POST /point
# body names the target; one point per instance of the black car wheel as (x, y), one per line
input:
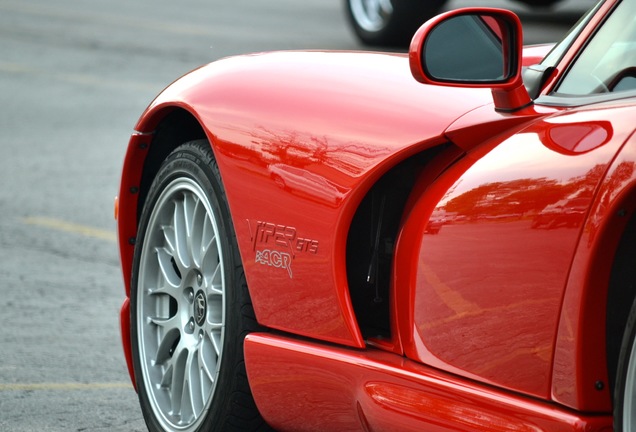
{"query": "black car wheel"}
(389, 22)
(190, 309)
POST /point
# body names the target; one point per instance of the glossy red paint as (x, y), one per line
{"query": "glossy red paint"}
(231, 106)
(126, 214)
(272, 153)
(124, 325)
(458, 310)
(509, 94)
(578, 364)
(304, 386)
(127, 202)
(497, 322)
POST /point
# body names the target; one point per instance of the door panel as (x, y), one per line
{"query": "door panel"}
(489, 284)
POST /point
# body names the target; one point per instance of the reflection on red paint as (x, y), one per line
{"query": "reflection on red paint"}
(509, 238)
(576, 138)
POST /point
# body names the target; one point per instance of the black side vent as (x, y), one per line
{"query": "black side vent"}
(371, 243)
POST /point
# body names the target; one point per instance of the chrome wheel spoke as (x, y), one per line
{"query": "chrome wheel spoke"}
(167, 268)
(199, 220)
(195, 394)
(210, 262)
(186, 403)
(208, 355)
(214, 279)
(182, 235)
(177, 382)
(169, 238)
(215, 339)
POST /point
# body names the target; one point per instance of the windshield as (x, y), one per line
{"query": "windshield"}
(559, 50)
(608, 63)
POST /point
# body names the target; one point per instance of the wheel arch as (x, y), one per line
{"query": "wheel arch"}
(174, 127)
(157, 135)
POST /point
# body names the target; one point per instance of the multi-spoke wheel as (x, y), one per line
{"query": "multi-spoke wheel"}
(389, 22)
(188, 298)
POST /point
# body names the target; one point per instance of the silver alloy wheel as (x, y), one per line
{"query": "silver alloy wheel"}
(181, 306)
(629, 395)
(371, 15)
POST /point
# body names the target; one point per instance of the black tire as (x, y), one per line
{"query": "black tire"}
(188, 282)
(394, 29)
(625, 384)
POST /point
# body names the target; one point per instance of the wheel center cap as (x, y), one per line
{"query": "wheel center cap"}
(200, 308)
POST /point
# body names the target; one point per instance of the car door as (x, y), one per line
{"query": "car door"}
(489, 287)
(487, 293)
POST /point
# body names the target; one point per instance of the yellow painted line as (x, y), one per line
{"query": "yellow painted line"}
(61, 225)
(64, 386)
(15, 68)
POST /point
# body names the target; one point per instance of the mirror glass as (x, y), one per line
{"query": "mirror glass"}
(467, 48)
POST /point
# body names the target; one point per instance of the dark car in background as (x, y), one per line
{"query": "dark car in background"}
(393, 22)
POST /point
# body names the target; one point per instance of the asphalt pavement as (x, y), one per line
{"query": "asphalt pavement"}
(74, 77)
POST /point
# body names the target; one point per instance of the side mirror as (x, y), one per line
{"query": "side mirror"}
(473, 47)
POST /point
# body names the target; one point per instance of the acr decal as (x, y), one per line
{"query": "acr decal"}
(265, 236)
(275, 259)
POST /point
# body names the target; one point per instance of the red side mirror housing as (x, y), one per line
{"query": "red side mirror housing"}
(473, 47)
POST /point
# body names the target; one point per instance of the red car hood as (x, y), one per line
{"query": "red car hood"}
(343, 97)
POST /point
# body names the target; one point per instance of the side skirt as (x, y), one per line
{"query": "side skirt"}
(304, 386)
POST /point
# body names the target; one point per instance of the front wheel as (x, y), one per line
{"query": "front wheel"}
(190, 309)
(389, 22)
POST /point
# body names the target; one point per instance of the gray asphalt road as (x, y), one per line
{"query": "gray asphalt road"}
(74, 76)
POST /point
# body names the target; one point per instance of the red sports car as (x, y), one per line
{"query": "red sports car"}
(273, 216)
